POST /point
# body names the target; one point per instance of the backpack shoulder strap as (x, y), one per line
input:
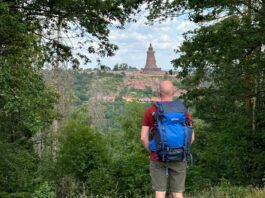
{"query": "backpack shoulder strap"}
(159, 107)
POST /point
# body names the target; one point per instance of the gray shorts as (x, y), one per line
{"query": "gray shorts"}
(175, 172)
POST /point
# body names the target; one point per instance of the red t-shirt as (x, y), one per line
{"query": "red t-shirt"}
(150, 122)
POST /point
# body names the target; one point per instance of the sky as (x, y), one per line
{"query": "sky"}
(133, 42)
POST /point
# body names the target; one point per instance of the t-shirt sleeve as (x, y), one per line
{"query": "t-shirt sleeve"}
(148, 119)
(189, 118)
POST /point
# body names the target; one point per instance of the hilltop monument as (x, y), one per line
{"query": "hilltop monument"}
(150, 66)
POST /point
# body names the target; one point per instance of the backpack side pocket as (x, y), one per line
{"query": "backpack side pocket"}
(152, 145)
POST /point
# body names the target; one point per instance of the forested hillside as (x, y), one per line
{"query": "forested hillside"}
(62, 134)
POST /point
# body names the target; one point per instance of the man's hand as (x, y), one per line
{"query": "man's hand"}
(144, 137)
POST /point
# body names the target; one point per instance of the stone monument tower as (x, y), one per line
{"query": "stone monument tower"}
(150, 66)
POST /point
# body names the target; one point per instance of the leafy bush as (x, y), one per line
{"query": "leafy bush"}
(130, 164)
(16, 195)
(44, 191)
(17, 168)
(82, 152)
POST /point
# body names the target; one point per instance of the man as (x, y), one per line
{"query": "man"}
(160, 172)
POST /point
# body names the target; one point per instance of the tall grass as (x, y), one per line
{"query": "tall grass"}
(231, 192)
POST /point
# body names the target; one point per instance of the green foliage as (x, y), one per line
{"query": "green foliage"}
(123, 67)
(82, 150)
(101, 164)
(26, 102)
(17, 168)
(229, 191)
(84, 84)
(95, 184)
(136, 93)
(132, 122)
(83, 156)
(130, 164)
(148, 91)
(109, 83)
(131, 172)
(44, 191)
(113, 112)
(90, 18)
(16, 195)
(222, 67)
(81, 82)
(220, 99)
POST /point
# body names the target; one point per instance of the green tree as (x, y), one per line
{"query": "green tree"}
(26, 102)
(44, 191)
(121, 67)
(130, 168)
(148, 91)
(88, 19)
(82, 154)
(222, 64)
(31, 35)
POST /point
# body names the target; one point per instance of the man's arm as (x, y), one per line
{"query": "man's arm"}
(192, 136)
(144, 137)
(189, 119)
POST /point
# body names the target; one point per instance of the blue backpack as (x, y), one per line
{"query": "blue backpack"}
(172, 134)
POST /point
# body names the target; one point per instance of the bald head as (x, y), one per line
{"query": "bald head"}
(167, 89)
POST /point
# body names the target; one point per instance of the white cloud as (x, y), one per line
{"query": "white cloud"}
(133, 42)
(185, 26)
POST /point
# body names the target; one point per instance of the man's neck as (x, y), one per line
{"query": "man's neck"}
(166, 99)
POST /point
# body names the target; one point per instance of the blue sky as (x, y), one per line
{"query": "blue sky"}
(134, 40)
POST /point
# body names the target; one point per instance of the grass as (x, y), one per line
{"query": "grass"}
(231, 192)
